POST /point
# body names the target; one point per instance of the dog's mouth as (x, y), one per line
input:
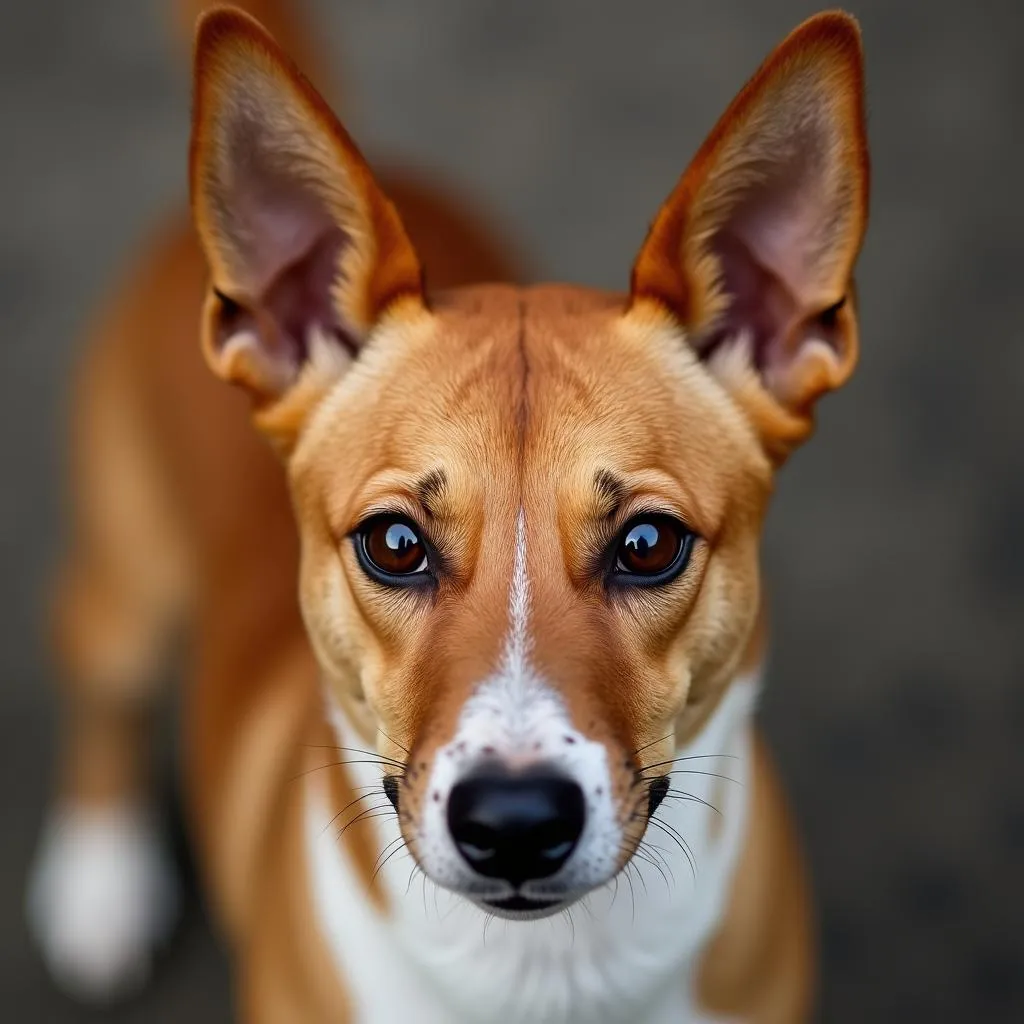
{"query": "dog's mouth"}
(522, 908)
(519, 907)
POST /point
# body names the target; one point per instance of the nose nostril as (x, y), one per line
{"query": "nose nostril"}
(555, 839)
(477, 842)
(516, 827)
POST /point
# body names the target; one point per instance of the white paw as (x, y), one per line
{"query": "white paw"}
(101, 898)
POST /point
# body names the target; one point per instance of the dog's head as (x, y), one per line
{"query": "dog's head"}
(530, 518)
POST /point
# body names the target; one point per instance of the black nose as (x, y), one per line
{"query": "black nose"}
(516, 826)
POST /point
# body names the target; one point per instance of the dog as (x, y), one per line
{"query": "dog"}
(498, 761)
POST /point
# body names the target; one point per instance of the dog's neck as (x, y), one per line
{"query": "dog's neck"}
(627, 951)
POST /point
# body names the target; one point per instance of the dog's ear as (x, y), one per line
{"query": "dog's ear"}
(306, 254)
(753, 252)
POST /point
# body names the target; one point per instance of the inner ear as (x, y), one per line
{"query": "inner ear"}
(755, 301)
(277, 327)
(763, 304)
(300, 297)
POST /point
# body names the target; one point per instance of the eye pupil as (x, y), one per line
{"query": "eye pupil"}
(650, 547)
(393, 547)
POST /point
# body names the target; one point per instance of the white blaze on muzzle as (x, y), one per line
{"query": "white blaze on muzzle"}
(515, 719)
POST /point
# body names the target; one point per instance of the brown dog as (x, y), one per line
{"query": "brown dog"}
(522, 682)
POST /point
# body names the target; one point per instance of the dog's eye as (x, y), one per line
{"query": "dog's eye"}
(652, 549)
(391, 549)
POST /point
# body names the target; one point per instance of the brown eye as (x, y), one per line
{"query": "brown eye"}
(653, 549)
(391, 546)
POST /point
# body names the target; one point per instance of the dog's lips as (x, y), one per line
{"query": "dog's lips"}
(519, 908)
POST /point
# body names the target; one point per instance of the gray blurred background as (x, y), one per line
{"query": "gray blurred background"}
(896, 545)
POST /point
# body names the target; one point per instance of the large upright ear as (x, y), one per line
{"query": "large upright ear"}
(753, 252)
(306, 254)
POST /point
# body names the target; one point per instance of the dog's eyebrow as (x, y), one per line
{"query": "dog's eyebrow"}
(429, 489)
(611, 491)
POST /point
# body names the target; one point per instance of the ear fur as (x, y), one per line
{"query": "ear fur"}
(753, 252)
(306, 253)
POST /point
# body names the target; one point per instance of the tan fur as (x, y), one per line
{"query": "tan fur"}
(760, 967)
(521, 397)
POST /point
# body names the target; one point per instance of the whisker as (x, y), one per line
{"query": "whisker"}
(371, 791)
(709, 775)
(567, 912)
(355, 750)
(387, 846)
(657, 852)
(637, 814)
(412, 875)
(642, 854)
(688, 757)
(691, 798)
(585, 904)
(363, 816)
(632, 891)
(370, 815)
(647, 746)
(680, 842)
(669, 826)
(640, 874)
(397, 849)
(405, 750)
(335, 764)
(384, 856)
(488, 918)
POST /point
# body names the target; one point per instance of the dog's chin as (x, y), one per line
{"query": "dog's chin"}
(522, 908)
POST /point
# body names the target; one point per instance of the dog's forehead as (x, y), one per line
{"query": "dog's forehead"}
(546, 387)
(600, 373)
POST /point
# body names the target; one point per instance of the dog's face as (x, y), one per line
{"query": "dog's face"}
(529, 549)
(530, 517)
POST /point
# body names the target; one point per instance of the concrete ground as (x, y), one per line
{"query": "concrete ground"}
(895, 550)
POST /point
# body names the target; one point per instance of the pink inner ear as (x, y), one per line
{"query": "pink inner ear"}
(296, 300)
(285, 255)
(280, 236)
(759, 304)
(273, 224)
(774, 252)
(301, 296)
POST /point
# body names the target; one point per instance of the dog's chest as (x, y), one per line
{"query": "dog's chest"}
(628, 952)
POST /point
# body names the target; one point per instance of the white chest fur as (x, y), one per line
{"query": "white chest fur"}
(626, 953)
